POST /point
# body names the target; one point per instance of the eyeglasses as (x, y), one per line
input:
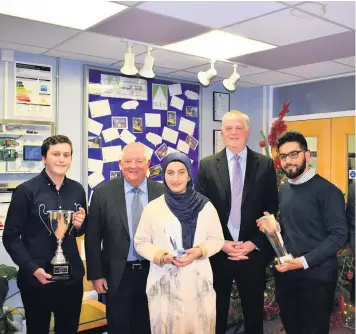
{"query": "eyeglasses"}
(292, 155)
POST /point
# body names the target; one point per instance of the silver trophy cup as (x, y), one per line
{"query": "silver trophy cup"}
(60, 222)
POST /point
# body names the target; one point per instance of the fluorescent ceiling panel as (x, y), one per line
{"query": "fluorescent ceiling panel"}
(218, 45)
(62, 13)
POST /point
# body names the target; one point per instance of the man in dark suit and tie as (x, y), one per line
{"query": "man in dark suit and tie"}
(112, 262)
(241, 184)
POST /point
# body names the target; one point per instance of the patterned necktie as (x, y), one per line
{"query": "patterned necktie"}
(136, 209)
(236, 193)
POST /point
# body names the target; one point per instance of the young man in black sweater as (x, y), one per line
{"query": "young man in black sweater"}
(313, 226)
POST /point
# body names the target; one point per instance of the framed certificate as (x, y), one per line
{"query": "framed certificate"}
(218, 141)
(221, 105)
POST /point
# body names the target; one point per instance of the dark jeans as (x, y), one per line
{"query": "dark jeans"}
(65, 301)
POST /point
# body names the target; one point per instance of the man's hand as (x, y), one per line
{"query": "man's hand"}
(100, 285)
(189, 256)
(78, 218)
(241, 250)
(267, 224)
(292, 264)
(42, 276)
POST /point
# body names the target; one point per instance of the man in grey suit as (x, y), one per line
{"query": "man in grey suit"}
(112, 262)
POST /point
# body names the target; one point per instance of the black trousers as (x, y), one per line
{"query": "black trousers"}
(305, 305)
(65, 301)
(127, 309)
(250, 276)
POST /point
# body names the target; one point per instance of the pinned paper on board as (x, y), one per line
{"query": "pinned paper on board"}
(171, 150)
(130, 105)
(191, 95)
(186, 126)
(94, 179)
(99, 108)
(170, 135)
(148, 152)
(127, 137)
(110, 134)
(177, 102)
(94, 127)
(95, 165)
(153, 138)
(183, 146)
(192, 142)
(111, 153)
(159, 97)
(153, 120)
(175, 89)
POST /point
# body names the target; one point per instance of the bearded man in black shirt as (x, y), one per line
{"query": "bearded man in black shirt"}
(313, 226)
(30, 245)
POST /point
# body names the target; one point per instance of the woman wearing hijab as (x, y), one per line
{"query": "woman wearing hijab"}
(179, 288)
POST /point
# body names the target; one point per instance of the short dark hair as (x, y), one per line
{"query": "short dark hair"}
(54, 140)
(292, 136)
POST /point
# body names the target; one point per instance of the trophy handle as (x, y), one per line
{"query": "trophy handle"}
(77, 207)
(45, 213)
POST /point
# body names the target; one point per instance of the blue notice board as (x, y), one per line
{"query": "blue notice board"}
(161, 114)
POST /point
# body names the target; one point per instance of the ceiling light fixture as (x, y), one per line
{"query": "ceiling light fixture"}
(129, 67)
(205, 77)
(147, 68)
(230, 83)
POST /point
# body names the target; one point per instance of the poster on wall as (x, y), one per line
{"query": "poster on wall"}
(161, 114)
(33, 91)
(218, 141)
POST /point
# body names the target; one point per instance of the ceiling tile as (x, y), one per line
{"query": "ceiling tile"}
(99, 46)
(225, 69)
(229, 12)
(161, 30)
(271, 78)
(347, 61)
(81, 57)
(303, 53)
(342, 12)
(127, 3)
(318, 70)
(245, 84)
(169, 59)
(21, 47)
(21, 31)
(308, 28)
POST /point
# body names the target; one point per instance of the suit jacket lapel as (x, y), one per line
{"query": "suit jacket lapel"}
(251, 167)
(223, 170)
(152, 193)
(120, 203)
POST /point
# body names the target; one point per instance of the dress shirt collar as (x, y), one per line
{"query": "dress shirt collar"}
(242, 154)
(142, 186)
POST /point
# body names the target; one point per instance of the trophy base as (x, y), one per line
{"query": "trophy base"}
(60, 272)
(283, 259)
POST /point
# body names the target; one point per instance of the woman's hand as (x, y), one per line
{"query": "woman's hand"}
(189, 256)
(167, 259)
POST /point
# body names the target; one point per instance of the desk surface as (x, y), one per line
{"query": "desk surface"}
(93, 315)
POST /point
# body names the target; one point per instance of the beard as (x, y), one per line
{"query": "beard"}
(299, 170)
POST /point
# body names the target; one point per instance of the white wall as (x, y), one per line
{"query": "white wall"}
(70, 115)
